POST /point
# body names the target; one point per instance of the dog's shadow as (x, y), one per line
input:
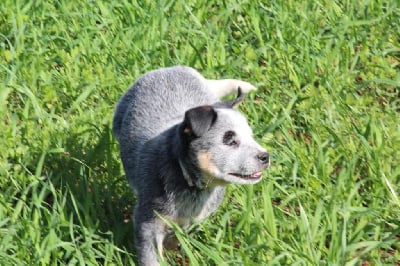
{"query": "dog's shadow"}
(98, 195)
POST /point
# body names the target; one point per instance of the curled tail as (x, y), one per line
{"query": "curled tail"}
(224, 87)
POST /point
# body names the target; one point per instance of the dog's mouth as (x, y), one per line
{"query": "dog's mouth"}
(253, 176)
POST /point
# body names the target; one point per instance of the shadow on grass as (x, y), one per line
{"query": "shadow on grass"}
(99, 197)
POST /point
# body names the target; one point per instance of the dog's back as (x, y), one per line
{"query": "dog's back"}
(154, 103)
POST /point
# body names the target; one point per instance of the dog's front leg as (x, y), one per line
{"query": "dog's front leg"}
(149, 242)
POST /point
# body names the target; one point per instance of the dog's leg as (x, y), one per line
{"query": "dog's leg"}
(145, 245)
(159, 243)
(223, 87)
(149, 236)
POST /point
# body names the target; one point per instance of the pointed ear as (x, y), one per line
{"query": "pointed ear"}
(198, 121)
(232, 103)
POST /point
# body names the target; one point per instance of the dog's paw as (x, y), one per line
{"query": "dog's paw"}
(245, 86)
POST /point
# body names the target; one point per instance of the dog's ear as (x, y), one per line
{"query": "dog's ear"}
(232, 103)
(198, 121)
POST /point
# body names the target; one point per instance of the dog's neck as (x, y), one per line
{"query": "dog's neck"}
(186, 174)
(194, 179)
(191, 173)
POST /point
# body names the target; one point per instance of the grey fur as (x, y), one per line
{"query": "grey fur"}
(180, 146)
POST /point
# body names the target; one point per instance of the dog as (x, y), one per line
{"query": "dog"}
(180, 145)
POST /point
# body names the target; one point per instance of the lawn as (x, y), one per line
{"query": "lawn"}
(327, 109)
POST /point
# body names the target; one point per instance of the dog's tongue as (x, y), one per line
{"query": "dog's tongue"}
(256, 175)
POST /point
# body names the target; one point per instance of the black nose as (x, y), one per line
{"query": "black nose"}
(263, 157)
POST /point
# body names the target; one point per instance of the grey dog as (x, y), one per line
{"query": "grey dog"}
(180, 146)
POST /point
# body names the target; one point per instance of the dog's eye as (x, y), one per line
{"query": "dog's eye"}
(229, 138)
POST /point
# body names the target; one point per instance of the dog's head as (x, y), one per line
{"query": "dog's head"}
(218, 142)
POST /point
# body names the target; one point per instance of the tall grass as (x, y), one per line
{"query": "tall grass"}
(327, 108)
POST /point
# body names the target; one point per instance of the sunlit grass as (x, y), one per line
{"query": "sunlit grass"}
(327, 109)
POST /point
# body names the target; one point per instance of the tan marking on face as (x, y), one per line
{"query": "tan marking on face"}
(210, 170)
(205, 162)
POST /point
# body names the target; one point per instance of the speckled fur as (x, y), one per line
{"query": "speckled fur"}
(170, 126)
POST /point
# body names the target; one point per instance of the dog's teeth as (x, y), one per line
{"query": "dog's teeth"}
(256, 175)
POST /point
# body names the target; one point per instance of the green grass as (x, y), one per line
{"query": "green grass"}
(327, 108)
